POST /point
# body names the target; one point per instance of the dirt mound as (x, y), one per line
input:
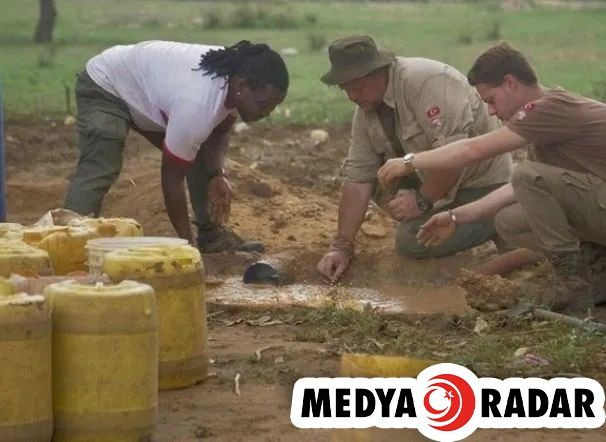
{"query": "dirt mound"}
(285, 186)
(488, 293)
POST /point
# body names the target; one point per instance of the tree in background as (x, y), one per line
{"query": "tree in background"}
(46, 22)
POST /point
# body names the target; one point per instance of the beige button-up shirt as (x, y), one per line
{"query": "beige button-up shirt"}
(434, 105)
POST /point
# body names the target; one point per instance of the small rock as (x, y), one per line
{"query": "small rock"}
(69, 121)
(521, 352)
(373, 231)
(319, 136)
(240, 127)
(261, 189)
(279, 360)
(291, 238)
(481, 326)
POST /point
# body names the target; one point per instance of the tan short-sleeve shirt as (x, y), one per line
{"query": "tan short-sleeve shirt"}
(434, 105)
(566, 130)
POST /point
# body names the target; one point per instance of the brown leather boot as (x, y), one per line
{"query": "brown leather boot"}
(594, 256)
(571, 293)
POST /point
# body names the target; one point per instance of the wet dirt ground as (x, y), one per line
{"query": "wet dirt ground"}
(286, 194)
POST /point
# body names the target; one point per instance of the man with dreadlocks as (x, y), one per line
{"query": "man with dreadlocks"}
(183, 98)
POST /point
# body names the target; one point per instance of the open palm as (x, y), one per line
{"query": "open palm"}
(436, 230)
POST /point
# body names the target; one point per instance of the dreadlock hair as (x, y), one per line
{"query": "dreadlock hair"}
(257, 63)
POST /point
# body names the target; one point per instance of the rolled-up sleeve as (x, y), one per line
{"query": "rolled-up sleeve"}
(363, 161)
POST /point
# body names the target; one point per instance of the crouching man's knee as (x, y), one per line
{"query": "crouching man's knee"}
(524, 175)
(406, 241)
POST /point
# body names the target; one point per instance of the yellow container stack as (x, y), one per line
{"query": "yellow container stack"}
(176, 273)
(23, 259)
(105, 350)
(106, 226)
(25, 369)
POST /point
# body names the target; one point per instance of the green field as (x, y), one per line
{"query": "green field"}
(567, 47)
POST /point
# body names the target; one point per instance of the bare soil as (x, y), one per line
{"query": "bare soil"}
(286, 194)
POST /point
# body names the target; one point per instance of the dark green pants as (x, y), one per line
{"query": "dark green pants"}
(465, 237)
(103, 124)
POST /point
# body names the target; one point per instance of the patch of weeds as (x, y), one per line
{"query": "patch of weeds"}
(316, 42)
(244, 16)
(493, 33)
(353, 329)
(572, 350)
(213, 20)
(551, 348)
(310, 18)
(485, 355)
(310, 335)
(46, 56)
(247, 16)
(414, 342)
(464, 38)
(281, 20)
(152, 22)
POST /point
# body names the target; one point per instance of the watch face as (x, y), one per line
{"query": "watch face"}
(423, 203)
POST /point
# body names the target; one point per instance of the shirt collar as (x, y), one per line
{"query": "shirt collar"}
(389, 96)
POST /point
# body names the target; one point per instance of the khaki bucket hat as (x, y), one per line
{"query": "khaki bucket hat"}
(354, 57)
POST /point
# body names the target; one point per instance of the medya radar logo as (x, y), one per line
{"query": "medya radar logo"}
(447, 402)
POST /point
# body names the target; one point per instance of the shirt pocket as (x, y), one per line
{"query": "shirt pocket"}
(414, 140)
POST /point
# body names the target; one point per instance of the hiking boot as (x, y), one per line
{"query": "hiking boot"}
(222, 240)
(571, 293)
(594, 256)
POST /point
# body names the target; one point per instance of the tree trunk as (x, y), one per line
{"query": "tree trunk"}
(46, 23)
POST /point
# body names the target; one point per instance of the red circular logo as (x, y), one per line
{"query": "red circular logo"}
(449, 401)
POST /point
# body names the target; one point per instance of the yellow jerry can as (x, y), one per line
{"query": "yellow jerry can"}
(375, 366)
(6, 287)
(10, 230)
(23, 259)
(26, 413)
(105, 371)
(177, 275)
(110, 226)
(65, 246)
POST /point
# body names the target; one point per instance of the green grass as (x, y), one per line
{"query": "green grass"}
(567, 47)
(560, 348)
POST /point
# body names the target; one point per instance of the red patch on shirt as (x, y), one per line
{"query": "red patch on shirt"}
(433, 112)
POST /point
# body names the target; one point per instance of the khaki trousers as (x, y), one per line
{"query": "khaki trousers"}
(556, 209)
(103, 124)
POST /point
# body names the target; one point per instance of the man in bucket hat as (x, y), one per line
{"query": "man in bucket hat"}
(406, 105)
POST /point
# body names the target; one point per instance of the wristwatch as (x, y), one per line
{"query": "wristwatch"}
(423, 203)
(408, 159)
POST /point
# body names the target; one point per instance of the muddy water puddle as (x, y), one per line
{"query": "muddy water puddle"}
(391, 299)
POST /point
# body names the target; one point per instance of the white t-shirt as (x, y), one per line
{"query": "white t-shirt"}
(157, 80)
